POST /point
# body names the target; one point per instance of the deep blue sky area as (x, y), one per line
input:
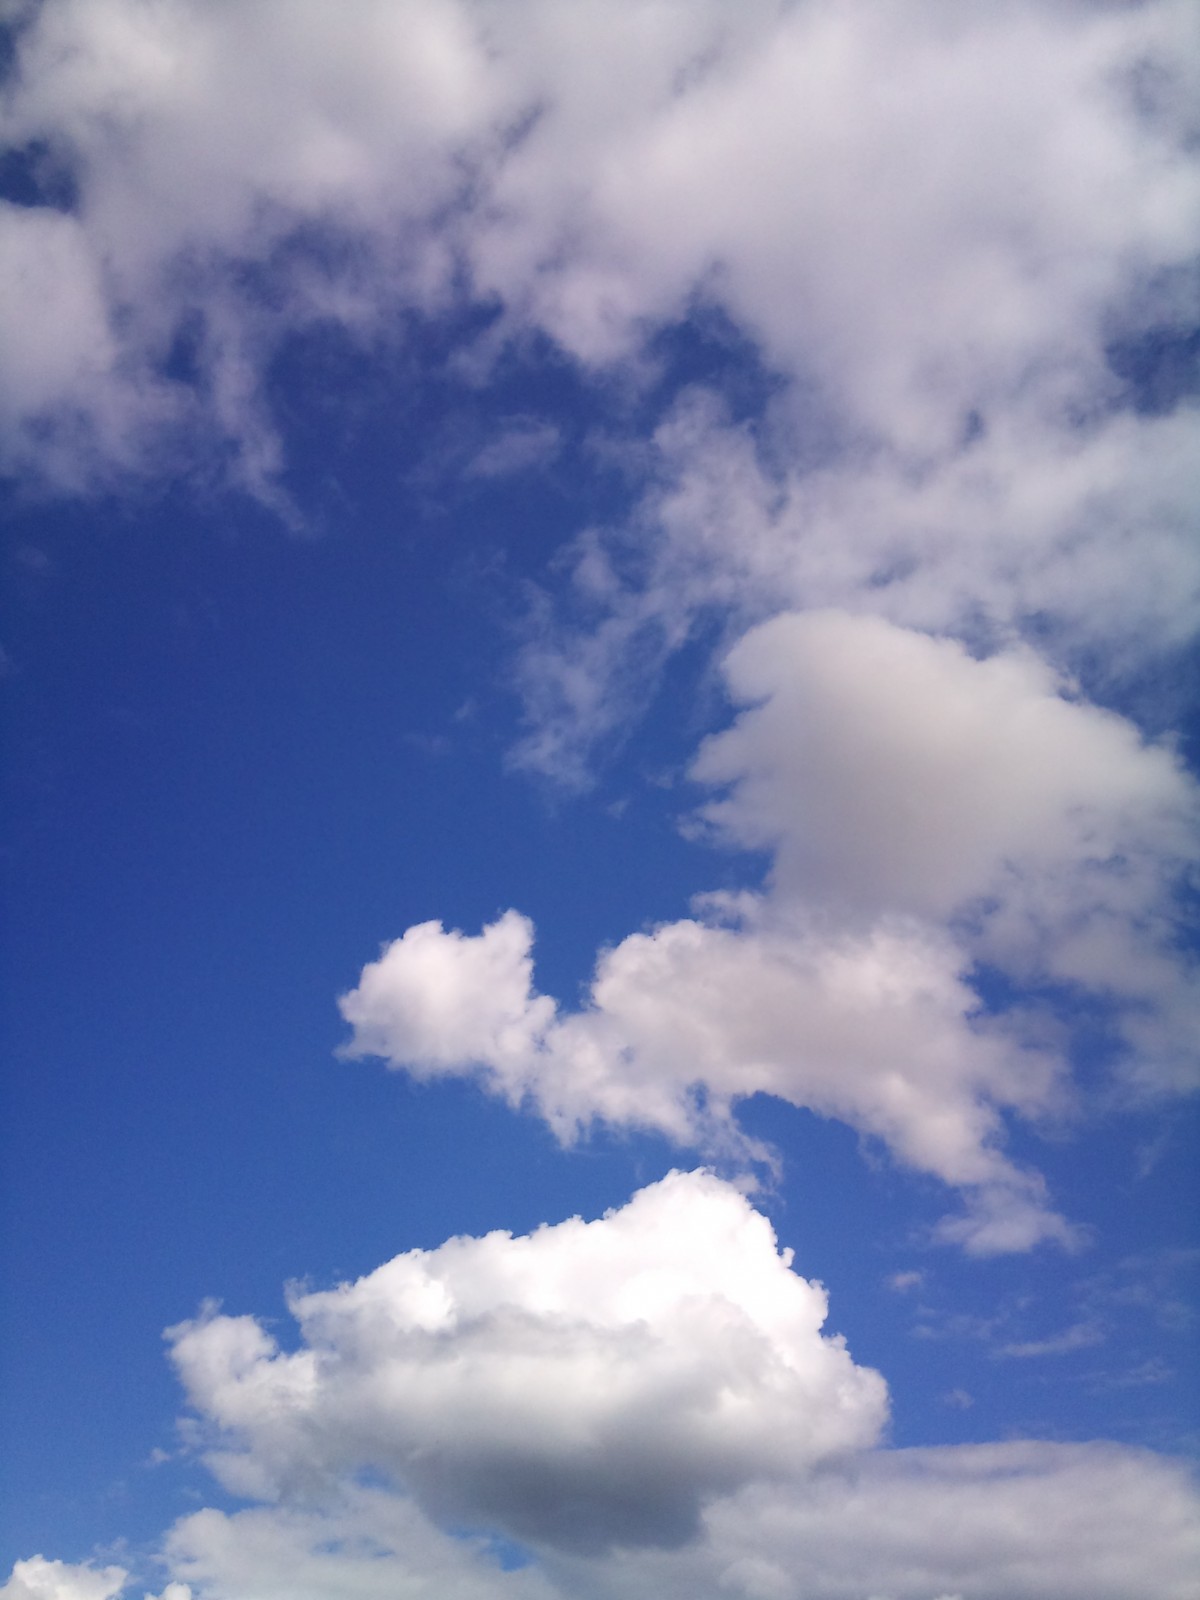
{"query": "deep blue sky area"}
(239, 760)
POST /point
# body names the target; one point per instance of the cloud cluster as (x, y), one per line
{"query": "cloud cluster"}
(925, 811)
(591, 173)
(1074, 531)
(39, 1579)
(635, 1408)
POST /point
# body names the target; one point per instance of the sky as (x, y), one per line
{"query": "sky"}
(602, 797)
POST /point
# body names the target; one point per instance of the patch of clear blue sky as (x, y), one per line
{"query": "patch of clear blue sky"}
(237, 761)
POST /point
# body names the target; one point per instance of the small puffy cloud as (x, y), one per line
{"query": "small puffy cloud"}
(902, 1282)
(39, 1579)
(591, 1384)
(436, 999)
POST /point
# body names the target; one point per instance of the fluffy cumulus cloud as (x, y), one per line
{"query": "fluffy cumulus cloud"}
(593, 1383)
(39, 1579)
(635, 1408)
(887, 770)
(640, 1406)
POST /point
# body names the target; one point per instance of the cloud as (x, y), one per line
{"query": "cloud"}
(891, 771)
(878, 1030)
(525, 444)
(1079, 1336)
(902, 1282)
(39, 1579)
(1075, 532)
(888, 771)
(1016, 1521)
(591, 1384)
(368, 1544)
(591, 173)
(637, 1408)
(924, 811)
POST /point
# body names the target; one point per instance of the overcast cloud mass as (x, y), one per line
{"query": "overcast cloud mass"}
(875, 568)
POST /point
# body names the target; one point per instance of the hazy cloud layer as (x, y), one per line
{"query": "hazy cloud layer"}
(1016, 1521)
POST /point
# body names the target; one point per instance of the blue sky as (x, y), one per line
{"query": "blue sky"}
(602, 754)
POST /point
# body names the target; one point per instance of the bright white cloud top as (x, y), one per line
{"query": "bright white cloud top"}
(857, 344)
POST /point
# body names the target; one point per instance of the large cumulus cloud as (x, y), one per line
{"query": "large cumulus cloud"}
(635, 1408)
(593, 1383)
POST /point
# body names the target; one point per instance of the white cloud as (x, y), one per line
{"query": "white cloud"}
(367, 1545)
(1016, 1521)
(902, 1282)
(593, 1383)
(877, 1029)
(925, 810)
(891, 771)
(918, 214)
(1079, 530)
(637, 1408)
(39, 1579)
(1079, 1336)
